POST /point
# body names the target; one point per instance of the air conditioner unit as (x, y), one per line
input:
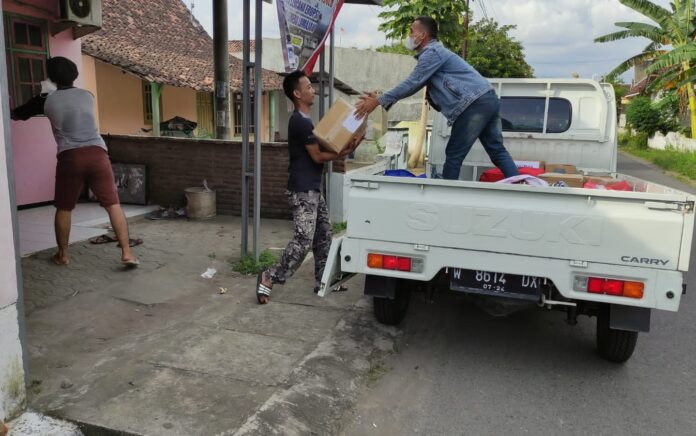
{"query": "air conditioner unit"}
(83, 16)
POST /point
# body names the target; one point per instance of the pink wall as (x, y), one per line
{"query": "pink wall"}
(33, 145)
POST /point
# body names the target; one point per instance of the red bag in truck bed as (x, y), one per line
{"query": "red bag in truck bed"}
(495, 174)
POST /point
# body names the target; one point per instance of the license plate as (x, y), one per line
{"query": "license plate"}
(492, 283)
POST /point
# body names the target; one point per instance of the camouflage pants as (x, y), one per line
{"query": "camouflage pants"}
(312, 232)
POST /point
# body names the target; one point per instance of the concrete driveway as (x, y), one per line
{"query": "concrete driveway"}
(160, 350)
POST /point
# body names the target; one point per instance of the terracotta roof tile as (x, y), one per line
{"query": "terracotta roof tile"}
(162, 42)
(236, 46)
(640, 87)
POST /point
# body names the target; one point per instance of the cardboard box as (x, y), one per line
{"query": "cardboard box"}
(600, 180)
(572, 180)
(339, 127)
(561, 169)
(538, 164)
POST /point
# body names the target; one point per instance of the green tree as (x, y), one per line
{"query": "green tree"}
(397, 19)
(648, 118)
(671, 48)
(642, 116)
(494, 53)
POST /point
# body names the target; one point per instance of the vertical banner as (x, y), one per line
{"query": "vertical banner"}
(304, 27)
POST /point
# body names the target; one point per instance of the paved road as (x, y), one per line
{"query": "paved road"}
(459, 371)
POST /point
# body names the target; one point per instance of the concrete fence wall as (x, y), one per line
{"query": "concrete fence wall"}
(174, 164)
(672, 139)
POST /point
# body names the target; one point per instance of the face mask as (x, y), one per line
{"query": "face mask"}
(48, 87)
(411, 43)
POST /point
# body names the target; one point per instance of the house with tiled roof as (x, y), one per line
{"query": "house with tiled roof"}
(160, 53)
(640, 82)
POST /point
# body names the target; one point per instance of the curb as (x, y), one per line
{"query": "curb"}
(324, 387)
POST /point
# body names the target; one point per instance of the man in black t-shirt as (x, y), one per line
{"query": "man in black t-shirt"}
(310, 215)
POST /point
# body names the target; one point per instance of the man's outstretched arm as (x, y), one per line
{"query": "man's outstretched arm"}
(428, 63)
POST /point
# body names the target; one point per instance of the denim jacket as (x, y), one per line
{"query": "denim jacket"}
(452, 83)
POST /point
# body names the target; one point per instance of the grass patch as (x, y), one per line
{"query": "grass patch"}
(339, 227)
(376, 371)
(680, 162)
(249, 266)
(637, 141)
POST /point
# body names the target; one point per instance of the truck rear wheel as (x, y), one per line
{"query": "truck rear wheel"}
(392, 311)
(614, 345)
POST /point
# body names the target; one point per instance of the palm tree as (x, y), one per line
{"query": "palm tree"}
(671, 49)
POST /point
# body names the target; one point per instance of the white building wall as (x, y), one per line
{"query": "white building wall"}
(12, 387)
(673, 140)
(12, 394)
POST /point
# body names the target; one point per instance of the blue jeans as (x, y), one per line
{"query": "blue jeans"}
(480, 121)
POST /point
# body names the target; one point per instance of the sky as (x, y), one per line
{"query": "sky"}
(557, 35)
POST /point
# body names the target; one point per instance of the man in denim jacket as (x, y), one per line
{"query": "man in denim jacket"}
(456, 89)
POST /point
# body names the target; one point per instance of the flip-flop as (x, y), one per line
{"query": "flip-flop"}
(103, 239)
(263, 292)
(58, 262)
(133, 242)
(131, 263)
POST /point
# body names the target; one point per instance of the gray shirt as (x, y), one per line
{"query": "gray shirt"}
(71, 112)
(74, 124)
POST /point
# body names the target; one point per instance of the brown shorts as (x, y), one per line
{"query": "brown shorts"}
(82, 166)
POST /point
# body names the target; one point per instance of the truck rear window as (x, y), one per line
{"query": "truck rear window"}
(526, 114)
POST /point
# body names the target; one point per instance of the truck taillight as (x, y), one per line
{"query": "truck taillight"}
(617, 288)
(391, 262)
(375, 261)
(394, 263)
(633, 289)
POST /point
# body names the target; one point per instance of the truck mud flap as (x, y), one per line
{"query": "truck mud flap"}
(381, 287)
(633, 319)
(333, 276)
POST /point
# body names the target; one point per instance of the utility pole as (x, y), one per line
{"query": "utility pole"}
(465, 46)
(258, 111)
(247, 177)
(222, 70)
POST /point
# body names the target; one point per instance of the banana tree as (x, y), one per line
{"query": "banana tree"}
(671, 48)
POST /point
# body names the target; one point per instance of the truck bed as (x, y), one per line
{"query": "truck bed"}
(650, 229)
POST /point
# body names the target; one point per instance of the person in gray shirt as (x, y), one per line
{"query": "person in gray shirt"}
(82, 156)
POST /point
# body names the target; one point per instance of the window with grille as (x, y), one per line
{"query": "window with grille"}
(26, 50)
(237, 105)
(205, 114)
(147, 102)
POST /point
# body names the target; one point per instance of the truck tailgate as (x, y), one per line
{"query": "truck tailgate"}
(646, 229)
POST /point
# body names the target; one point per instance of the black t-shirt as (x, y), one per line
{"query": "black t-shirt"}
(305, 174)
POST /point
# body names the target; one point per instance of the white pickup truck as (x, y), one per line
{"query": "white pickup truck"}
(615, 255)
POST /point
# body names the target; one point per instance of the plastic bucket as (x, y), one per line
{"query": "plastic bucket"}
(200, 203)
